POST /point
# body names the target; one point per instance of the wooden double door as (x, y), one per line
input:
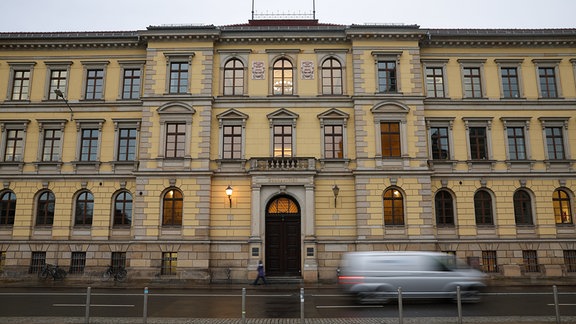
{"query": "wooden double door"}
(283, 243)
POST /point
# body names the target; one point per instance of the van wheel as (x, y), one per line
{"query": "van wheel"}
(380, 296)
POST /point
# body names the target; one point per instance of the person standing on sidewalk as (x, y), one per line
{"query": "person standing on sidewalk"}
(260, 274)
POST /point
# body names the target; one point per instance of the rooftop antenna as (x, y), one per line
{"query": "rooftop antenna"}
(252, 9)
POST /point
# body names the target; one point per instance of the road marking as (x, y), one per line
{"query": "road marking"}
(562, 304)
(91, 305)
(351, 306)
(217, 295)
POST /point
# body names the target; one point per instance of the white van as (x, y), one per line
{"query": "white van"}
(376, 276)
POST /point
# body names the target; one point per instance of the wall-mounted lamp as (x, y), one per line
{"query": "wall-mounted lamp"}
(335, 191)
(229, 194)
(59, 94)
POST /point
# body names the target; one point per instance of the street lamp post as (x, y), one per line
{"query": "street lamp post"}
(59, 94)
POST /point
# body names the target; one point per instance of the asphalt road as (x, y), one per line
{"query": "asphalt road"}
(272, 302)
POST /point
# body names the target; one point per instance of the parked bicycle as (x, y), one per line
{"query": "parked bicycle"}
(118, 273)
(50, 270)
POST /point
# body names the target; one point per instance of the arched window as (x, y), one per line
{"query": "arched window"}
(123, 209)
(233, 78)
(283, 82)
(562, 208)
(172, 208)
(393, 207)
(45, 208)
(84, 209)
(331, 77)
(444, 207)
(522, 208)
(483, 208)
(7, 208)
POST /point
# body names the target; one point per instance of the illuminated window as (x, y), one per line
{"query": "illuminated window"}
(393, 207)
(283, 81)
(562, 207)
(390, 139)
(172, 208)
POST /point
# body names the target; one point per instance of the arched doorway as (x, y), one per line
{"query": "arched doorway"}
(283, 237)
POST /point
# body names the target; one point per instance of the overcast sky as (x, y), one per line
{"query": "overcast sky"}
(113, 15)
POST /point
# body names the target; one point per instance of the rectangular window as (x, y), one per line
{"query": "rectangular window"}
(282, 140)
(94, 84)
(510, 85)
(489, 263)
(547, 78)
(58, 80)
(118, 260)
(472, 82)
(232, 142)
(169, 263)
(555, 143)
(14, 145)
(440, 143)
(333, 142)
(435, 82)
(478, 143)
(175, 140)
(77, 263)
(21, 85)
(516, 143)
(530, 260)
(89, 145)
(37, 262)
(131, 84)
(390, 139)
(127, 144)
(387, 76)
(51, 145)
(178, 77)
(570, 260)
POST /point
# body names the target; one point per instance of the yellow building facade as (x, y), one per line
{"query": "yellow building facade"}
(193, 152)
